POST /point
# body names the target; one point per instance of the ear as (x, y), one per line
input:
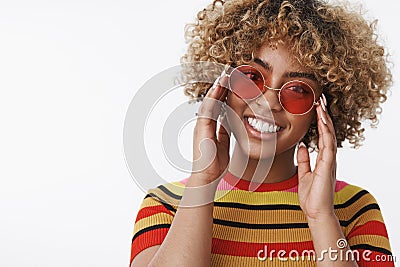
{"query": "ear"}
(313, 126)
(314, 119)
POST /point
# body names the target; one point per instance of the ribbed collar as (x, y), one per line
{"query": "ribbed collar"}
(263, 187)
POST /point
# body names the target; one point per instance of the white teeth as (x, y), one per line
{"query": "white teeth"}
(263, 126)
(253, 123)
(271, 128)
(259, 125)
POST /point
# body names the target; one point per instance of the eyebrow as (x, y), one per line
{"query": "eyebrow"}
(292, 74)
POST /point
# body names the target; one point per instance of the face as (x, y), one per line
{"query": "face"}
(261, 123)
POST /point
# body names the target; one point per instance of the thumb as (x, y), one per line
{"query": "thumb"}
(303, 160)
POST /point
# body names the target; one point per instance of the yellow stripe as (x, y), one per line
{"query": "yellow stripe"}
(175, 187)
(257, 198)
(271, 198)
(169, 200)
(238, 196)
(373, 240)
(277, 197)
(261, 235)
(359, 204)
(348, 213)
(159, 218)
(149, 202)
(260, 216)
(346, 193)
(362, 201)
(371, 215)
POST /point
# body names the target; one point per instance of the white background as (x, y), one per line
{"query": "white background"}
(68, 71)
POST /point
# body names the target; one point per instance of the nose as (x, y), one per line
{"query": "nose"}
(269, 100)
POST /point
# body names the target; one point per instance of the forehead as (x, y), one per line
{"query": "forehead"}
(281, 62)
(278, 58)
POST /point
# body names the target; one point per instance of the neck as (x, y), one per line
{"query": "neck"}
(266, 170)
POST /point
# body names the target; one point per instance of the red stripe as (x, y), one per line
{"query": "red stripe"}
(148, 239)
(148, 211)
(369, 228)
(244, 249)
(373, 259)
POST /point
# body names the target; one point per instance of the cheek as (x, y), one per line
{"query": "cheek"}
(236, 104)
(301, 125)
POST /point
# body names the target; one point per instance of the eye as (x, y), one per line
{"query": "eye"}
(298, 89)
(252, 75)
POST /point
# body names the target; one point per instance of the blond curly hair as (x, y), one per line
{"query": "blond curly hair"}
(336, 44)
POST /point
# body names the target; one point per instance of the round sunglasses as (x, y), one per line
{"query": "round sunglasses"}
(247, 82)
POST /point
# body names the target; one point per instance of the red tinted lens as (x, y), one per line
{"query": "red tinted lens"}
(297, 97)
(246, 82)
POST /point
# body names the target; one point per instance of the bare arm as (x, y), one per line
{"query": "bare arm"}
(145, 256)
(188, 241)
(329, 242)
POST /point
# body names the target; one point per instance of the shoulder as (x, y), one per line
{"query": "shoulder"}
(168, 194)
(347, 194)
(155, 216)
(356, 206)
(361, 219)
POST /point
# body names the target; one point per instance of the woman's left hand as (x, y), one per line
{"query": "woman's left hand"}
(316, 188)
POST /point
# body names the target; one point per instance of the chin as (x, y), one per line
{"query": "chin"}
(259, 150)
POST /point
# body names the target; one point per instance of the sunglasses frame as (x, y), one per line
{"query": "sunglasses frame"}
(274, 89)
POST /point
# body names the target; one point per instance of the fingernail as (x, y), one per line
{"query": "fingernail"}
(216, 83)
(323, 120)
(302, 144)
(324, 99)
(322, 104)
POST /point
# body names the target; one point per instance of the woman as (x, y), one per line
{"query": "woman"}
(301, 74)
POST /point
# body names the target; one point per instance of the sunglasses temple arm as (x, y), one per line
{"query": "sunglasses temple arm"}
(270, 88)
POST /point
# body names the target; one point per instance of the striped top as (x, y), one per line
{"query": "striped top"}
(250, 228)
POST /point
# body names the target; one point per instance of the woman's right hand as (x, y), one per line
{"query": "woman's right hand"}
(211, 150)
(193, 219)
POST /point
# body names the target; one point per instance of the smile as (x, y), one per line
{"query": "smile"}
(262, 126)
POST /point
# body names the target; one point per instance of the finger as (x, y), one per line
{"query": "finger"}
(325, 128)
(210, 110)
(224, 133)
(328, 117)
(205, 137)
(303, 160)
(218, 90)
(223, 83)
(325, 140)
(326, 159)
